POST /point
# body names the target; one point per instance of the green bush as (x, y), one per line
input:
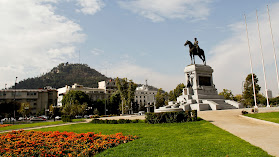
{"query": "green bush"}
(194, 115)
(120, 121)
(171, 117)
(123, 121)
(66, 118)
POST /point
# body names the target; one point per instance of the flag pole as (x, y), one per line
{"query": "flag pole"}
(274, 54)
(251, 64)
(267, 101)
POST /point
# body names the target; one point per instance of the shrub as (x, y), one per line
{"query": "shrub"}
(66, 118)
(135, 121)
(244, 112)
(123, 121)
(120, 121)
(171, 117)
(194, 115)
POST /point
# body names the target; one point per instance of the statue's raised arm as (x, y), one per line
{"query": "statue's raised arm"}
(194, 49)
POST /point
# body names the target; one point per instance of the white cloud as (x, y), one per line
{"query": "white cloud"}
(160, 10)
(90, 7)
(34, 39)
(230, 59)
(97, 52)
(139, 74)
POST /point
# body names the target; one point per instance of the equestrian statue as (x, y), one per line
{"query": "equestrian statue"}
(194, 49)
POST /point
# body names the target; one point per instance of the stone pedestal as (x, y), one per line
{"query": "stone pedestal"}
(200, 78)
(200, 92)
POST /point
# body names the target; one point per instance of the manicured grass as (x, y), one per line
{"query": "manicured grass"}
(170, 139)
(37, 124)
(269, 116)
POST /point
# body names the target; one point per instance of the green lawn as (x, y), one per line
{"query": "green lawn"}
(36, 124)
(270, 116)
(177, 139)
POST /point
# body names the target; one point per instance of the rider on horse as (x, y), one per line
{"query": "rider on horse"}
(196, 44)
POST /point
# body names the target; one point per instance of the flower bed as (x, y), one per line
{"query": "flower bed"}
(5, 125)
(38, 143)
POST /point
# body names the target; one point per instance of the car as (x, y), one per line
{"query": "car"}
(44, 117)
(78, 116)
(57, 118)
(37, 119)
(86, 116)
(141, 113)
(20, 118)
(8, 119)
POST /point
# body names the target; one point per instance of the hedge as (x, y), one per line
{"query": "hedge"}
(171, 117)
(66, 118)
(120, 121)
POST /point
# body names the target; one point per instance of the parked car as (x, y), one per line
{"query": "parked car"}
(86, 116)
(20, 118)
(78, 116)
(44, 117)
(57, 118)
(37, 119)
(8, 119)
(23, 118)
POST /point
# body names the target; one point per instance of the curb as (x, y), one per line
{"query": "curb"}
(260, 120)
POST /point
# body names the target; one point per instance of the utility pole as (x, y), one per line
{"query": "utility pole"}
(267, 101)
(14, 101)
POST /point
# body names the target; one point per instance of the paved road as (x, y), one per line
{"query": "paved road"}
(257, 132)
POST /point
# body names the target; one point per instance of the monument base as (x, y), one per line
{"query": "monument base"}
(200, 92)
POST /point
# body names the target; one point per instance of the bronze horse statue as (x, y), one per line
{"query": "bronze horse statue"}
(193, 51)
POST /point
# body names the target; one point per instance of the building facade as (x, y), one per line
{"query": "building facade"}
(93, 93)
(38, 99)
(143, 96)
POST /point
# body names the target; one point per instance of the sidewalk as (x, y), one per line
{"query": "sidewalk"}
(45, 126)
(257, 132)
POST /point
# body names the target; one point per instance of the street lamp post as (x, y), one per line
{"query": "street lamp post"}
(14, 99)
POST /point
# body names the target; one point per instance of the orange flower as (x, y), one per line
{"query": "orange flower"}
(38, 143)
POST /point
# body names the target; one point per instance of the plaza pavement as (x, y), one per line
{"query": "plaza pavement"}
(257, 132)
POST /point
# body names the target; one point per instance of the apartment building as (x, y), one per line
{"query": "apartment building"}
(38, 99)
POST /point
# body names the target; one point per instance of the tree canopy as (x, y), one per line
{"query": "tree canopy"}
(227, 94)
(160, 98)
(73, 97)
(74, 103)
(127, 92)
(248, 94)
(173, 94)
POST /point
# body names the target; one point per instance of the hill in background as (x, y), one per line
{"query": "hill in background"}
(64, 74)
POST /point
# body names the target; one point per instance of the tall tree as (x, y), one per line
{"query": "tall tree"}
(24, 109)
(74, 109)
(176, 92)
(227, 94)
(248, 93)
(74, 103)
(238, 98)
(127, 92)
(114, 102)
(160, 98)
(78, 97)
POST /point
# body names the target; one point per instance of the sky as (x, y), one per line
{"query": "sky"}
(139, 39)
